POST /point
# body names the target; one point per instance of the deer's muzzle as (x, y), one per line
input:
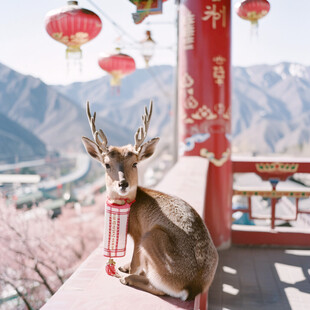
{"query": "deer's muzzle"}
(123, 185)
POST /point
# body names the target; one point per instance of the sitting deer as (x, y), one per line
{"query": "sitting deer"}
(173, 251)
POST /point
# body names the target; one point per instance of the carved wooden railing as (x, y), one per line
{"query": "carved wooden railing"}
(272, 170)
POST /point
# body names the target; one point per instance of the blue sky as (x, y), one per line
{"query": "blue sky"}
(26, 47)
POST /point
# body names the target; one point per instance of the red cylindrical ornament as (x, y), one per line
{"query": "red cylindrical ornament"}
(115, 232)
(252, 10)
(72, 26)
(205, 103)
(117, 65)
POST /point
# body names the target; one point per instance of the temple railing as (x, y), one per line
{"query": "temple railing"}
(273, 195)
(273, 170)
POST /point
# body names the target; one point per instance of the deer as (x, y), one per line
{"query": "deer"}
(173, 251)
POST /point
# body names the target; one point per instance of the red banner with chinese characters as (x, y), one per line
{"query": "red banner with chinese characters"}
(204, 103)
(204, 79)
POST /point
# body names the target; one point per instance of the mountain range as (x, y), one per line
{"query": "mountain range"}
(125, 105)
(48, 114)
(18, 143)
(270, 109)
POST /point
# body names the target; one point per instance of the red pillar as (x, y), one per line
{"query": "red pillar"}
(204, 103)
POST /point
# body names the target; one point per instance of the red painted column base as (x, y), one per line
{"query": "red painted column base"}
(218, 201)
(201, 302)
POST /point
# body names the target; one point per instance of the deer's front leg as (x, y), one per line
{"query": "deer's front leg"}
(134, 266)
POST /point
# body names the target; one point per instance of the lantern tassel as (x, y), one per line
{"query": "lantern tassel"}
(115, 79)
(254, 28)
(73, 52)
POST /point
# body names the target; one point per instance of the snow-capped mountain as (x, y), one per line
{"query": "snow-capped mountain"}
(270, 107)
(47, 113)
(125, 105)
(270, 104)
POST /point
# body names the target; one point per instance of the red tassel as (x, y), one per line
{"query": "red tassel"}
(110, 268)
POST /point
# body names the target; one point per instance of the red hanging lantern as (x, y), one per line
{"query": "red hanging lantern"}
(72, 26)
(117, 65)
(252, 10)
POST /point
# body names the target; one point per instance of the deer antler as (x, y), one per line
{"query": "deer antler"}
(103, 143)
(142, 131)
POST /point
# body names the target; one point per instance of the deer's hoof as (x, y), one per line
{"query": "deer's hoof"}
(124, 268)
(123, 280)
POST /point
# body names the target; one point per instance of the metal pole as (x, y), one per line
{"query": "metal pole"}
(175, 151)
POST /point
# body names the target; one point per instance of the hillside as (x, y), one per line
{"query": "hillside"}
(270, 107)
(126, 107)
(270, 104)
(48, 114)
(18, 143)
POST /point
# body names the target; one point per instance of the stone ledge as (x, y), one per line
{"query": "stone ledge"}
(90, 288)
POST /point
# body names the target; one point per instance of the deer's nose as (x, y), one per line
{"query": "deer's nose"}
(123, 184)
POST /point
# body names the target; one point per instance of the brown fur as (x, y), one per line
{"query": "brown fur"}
(175, 240)
(173, 251)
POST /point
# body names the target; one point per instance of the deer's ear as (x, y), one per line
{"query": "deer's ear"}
(92, 149)
(147, 149)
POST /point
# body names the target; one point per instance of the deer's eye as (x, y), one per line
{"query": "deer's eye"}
(107, 166)
(134, 165)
